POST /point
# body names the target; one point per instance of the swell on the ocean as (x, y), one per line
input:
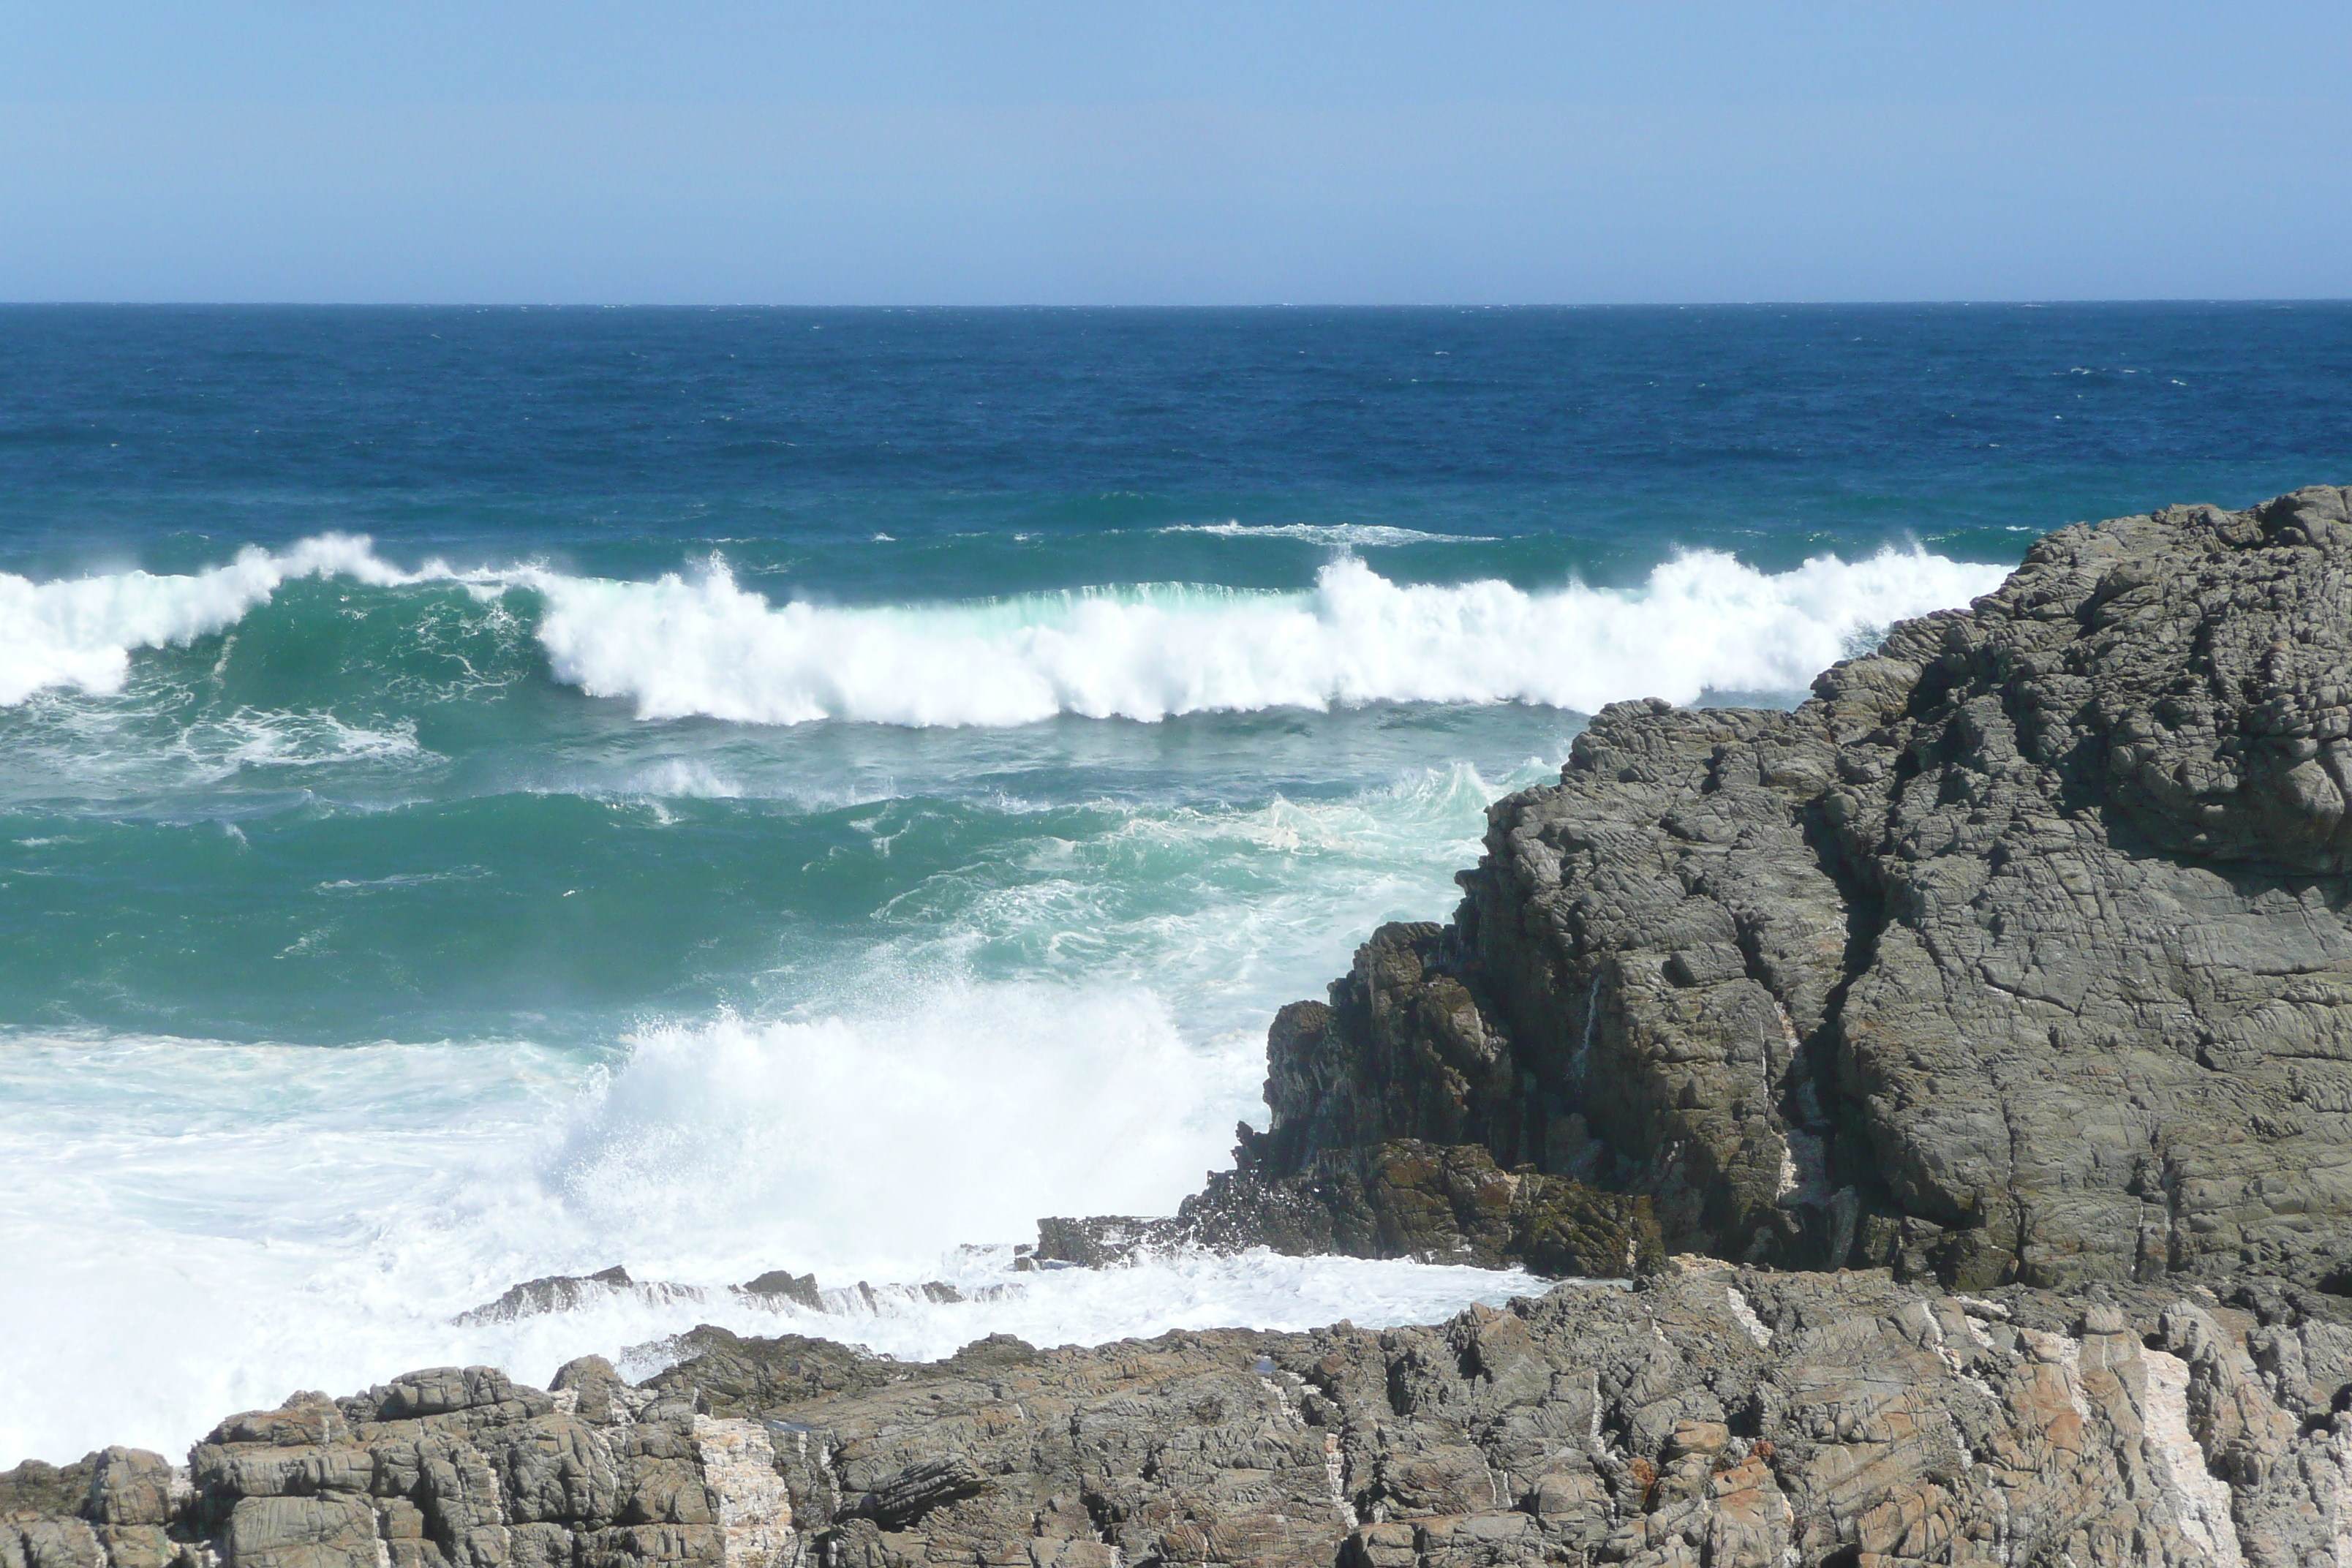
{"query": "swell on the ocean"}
(702, 643)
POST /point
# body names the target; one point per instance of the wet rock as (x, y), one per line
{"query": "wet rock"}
(800, 1288)
(722, 1374)
(1102, 1241)
(568, 1293)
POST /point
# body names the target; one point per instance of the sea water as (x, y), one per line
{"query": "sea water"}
(489, 793)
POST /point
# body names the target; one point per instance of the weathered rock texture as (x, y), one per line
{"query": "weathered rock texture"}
(449, 1468)
(2021, 952)
(1712, 1416)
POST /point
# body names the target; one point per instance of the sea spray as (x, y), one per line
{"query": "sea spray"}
(319, 1218)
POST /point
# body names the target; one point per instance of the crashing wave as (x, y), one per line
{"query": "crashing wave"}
(703, 645)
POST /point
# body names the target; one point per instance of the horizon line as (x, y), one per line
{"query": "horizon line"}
(2275, 302)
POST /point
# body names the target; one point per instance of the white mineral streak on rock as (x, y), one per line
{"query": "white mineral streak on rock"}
(1745, 1315)
(1332, 1465)
(1787, 1034)
(1334, 1477)
(755, 1508)
(2197, 1495)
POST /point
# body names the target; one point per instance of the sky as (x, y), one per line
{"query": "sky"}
(1134, 152)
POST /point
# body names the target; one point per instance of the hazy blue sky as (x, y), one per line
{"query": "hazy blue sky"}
(1127, 152)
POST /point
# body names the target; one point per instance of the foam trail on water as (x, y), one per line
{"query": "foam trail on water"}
(1344, 535)
(704, 644)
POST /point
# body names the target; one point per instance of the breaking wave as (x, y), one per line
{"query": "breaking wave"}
(702, 644)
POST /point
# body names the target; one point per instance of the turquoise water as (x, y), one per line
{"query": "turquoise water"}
(491, 793)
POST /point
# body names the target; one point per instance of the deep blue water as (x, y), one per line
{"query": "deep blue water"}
(1590, 441)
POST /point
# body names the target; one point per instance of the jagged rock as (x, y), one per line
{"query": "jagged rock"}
(1716, 1415)
(1434, 1202)
(1710, 1414)
(34, 1487)
(733, 1374)
(555, 1293)
(1102, 1241)
(598, 1395)
(800, 1288)
(452, 1468)
(2021, 952)
(128, 1487)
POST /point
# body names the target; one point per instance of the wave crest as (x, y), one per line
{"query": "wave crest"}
(704, 644)
(1702, 621)
(81, 631)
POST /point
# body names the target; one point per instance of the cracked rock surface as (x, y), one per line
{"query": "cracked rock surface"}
(2021, 953)
(1714, 1416)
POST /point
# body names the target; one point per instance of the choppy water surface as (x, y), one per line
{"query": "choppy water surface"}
(485, 793)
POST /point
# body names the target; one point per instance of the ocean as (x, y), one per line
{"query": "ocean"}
(494, 792)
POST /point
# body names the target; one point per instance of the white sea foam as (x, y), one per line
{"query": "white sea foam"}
(702, 645)
(314, 1218)
(303, 1216)
(706, 646)
(873, 1139)
(300, 1217)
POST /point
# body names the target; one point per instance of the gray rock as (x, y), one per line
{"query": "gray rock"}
(1713, 1414)
(800, 1288)
(300, 1532)
(129, 1487)
(2021, 952)
(555, 1293)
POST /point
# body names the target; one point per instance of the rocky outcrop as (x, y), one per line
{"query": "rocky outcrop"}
(1711, 1415)
(1435, 1202)
(2020, 953)
(448, 1468)
(778, 1289)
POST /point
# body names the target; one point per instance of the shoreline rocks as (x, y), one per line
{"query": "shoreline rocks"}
(1709, 1414)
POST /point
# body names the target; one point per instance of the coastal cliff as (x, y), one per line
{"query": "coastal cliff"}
(2020, 953)
(1954, 1073)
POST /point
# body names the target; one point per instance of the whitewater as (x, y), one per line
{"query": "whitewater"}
(1061, 1009)
(698, 643)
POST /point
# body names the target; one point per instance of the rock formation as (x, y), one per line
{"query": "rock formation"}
(2019, 952)
(1712, 1415)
